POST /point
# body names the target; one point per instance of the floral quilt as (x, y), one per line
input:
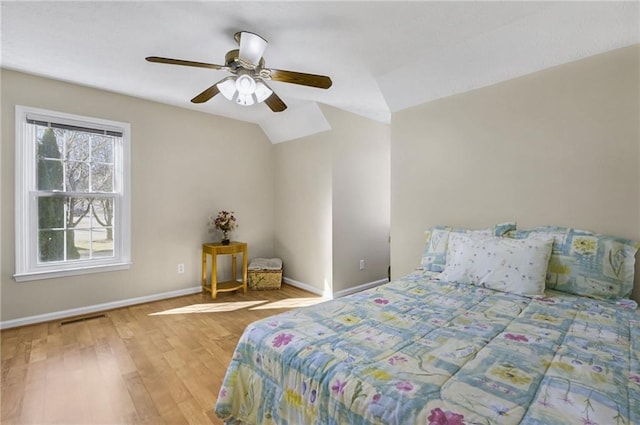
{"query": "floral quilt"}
(423, 351)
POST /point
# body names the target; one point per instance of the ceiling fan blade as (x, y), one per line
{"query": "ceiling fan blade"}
(170, 61)
(275, 103)
(252, 46)
(313, 80)
(207, 94)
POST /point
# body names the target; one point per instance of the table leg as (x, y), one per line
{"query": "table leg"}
(234, 268)
(204, 270)
(244, 270)
(214, 276)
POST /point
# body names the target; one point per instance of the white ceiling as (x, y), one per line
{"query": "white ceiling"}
(382, 56)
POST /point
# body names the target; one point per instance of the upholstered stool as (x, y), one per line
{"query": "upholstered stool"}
(265, 273)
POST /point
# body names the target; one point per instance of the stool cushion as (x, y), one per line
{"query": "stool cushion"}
(265, 264)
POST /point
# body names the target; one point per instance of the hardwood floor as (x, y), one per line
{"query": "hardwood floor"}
(156, 363)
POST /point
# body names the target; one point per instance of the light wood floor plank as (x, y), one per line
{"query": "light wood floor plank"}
(155, 363)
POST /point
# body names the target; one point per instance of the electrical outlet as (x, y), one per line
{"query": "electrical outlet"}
(181, 268)
(361, 264)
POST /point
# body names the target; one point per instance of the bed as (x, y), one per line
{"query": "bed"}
(453, 343)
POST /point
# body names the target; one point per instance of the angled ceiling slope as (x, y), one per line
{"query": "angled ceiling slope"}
(382, 56)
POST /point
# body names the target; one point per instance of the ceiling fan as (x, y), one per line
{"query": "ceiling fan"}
(247, 85)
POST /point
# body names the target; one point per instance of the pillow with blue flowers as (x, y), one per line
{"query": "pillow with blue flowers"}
(586, 263)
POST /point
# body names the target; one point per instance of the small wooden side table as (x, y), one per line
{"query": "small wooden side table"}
(215, 249)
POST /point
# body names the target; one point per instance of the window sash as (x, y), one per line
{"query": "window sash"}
(59, 233)
(28, 266)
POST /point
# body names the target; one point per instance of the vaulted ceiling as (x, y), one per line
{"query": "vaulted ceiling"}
(382, 56)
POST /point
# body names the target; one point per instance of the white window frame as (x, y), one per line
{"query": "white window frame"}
(26, 211)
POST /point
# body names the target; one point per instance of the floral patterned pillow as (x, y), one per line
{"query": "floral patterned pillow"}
(434, 256)
(510, 265)
(586, 263)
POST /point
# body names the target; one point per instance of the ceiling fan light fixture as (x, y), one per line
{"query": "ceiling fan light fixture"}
(252, 46)
(228, 87)
(245, 99)
(245, 85)
(262, 91)
(244, 90)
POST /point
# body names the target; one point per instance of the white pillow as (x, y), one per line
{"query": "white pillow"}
(510, 265)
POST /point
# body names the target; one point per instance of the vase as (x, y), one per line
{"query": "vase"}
(225, 238)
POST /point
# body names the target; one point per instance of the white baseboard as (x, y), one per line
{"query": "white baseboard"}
(359, 288)
(304, 286)
(338, 294)
(56, 315)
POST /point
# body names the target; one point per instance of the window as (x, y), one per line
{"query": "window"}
(72, 194)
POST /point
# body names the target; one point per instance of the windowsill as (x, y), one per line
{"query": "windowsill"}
(50, 274)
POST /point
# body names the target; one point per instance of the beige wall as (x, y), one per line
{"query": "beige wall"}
(185, 166)
(332, 207)
(302, 228)
(560, 146)
(361, 196)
